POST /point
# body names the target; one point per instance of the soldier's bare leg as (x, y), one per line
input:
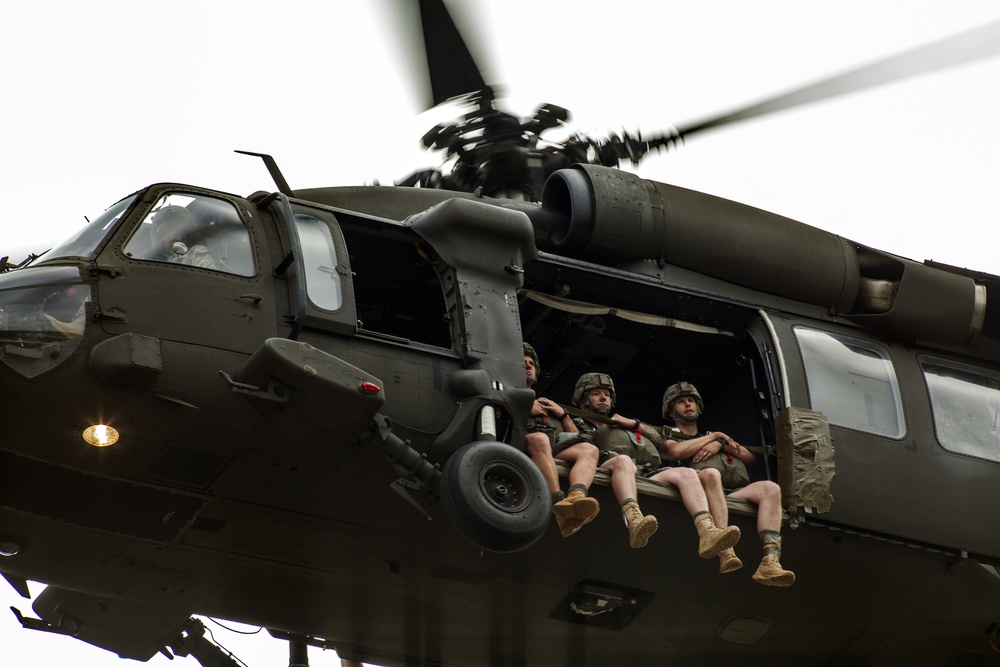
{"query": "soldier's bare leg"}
(538, 448)
(583, 456)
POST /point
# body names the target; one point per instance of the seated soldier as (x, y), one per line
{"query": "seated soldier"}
(552, 434)
(683, 404)
(174, 228)
(624, 443)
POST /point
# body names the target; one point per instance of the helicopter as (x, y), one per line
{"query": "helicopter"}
(261, 528)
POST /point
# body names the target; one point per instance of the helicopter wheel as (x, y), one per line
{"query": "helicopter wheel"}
(495, 496)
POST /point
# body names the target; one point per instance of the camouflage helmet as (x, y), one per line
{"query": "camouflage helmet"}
(677, 390)
(173, 213)
(589, 381)
(530, 352)
(173, 222)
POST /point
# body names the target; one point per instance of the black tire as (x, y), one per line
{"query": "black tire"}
(495, 496)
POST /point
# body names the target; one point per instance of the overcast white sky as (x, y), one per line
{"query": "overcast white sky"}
(102, 98)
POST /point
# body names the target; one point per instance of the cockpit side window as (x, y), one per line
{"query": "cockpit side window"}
(397, 291)
(320, 259)
(194, 230)
(852, 382)
(965, 403)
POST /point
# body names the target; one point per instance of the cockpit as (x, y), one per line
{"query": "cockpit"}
(43, 308)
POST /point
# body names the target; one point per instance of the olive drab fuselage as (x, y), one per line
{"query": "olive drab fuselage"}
(352, 363)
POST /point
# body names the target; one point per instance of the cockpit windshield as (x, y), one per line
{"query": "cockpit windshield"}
(85, 241)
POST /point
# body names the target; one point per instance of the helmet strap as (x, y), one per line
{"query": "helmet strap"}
(684, 419)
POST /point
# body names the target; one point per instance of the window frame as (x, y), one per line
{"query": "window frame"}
(810, 355)
(141, 233)
(344, 319)
(340, 270)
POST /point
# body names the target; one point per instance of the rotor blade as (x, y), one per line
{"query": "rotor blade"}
(966, 47)
(452, 69)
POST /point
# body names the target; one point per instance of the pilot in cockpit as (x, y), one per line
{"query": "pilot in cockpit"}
(174, 238)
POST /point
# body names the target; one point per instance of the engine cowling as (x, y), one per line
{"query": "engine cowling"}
(613, 217)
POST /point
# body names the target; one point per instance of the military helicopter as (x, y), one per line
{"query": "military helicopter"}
(298, 379)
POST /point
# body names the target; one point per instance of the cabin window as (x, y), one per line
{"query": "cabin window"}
(194, 230)
(852, 382)
(320, 259)
(965, 403)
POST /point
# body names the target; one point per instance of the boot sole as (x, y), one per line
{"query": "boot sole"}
(730, 566)
(573, 527)
(576, 515)
(583, 508)
(782, 580)
(646, 530)
(729, 537)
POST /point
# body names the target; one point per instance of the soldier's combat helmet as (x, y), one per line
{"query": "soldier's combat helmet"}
(589, 381)
(677, 390)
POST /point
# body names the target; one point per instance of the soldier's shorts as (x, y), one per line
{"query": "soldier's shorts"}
(559, 440)
(564, 441)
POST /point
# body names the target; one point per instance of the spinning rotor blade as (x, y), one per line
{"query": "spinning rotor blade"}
(452, 69)
(966, 47)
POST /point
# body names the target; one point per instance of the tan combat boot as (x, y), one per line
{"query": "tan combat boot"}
(574, 512)
(640, 528)
(714, 541)
(729, 561)
(770, 572)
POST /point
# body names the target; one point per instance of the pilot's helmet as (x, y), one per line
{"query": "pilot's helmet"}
(173, 227)
(173, 221)
(173, 214)
(530, 352)
(675, 391)
(590, 381)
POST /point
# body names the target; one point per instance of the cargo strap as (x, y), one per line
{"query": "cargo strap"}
(589, 416)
